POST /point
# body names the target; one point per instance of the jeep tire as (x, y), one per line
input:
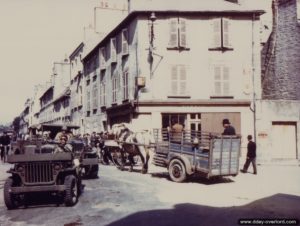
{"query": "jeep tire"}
(72, 192)
(9, 198)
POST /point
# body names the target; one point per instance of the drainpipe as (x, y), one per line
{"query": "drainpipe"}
(253, 81)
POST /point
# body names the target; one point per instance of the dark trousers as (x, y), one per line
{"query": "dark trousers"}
(4, 152)
(247, 163)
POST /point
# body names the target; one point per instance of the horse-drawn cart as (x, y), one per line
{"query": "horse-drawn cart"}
(208, 155)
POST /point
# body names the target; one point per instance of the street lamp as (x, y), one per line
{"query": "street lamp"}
(152, 18)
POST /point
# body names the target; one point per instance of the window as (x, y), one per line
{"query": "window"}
(88, 101)
(178, 80)
(95, 96)
(221, 75)
(124, 42)
(115, 88)
(102, 90)
(125, 86)
(177, 34)
(102, 58)
(221, 35)
(88, 82)
(113, 50)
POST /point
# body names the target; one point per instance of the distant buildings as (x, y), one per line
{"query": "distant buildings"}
(193, 63)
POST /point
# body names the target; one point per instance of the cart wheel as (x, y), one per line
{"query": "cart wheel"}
(177, 171)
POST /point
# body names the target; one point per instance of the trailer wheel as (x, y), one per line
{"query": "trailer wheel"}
(177, 171)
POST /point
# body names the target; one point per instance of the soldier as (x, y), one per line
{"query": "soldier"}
(63, 146)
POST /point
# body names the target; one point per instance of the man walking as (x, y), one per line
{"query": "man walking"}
(251, 156)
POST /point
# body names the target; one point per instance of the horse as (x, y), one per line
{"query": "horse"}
(133, 143)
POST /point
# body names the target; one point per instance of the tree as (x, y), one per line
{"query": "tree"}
(16, 124)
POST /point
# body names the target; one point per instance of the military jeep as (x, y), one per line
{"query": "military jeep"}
(36, 169)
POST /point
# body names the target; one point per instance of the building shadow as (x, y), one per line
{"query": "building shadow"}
(279, 206)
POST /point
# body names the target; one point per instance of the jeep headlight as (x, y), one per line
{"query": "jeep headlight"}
(20, 168)
(57, 167)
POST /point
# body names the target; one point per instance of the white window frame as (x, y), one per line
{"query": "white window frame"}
(178, 33)
(115, 87)
(95, 96)
(124, 42)
(221, 80)
(221, 33)
(102, 58)
(125, 78)
(113, 50)
(179, 80)
(102, 94)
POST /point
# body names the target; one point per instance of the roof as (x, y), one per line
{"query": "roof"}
(46, 91)
(75, 52)
(205, 7)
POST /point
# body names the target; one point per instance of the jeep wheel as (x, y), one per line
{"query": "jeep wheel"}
(94, 171)
(9, 199)
(177, 171)
(71, 195)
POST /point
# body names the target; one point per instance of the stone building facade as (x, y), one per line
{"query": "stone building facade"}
(278, 114)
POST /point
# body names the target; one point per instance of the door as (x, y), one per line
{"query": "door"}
(284, 140)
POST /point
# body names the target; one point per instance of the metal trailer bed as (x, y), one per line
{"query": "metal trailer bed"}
(212, 156)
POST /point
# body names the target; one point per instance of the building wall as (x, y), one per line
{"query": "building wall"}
(282, 77)
(277, 112)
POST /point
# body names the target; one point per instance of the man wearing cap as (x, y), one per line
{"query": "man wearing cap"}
(228, 129)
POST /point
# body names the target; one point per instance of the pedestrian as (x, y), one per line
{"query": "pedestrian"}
(176, 132)
(251, 156)
(228, 128)
(2, 148)
(6, 145)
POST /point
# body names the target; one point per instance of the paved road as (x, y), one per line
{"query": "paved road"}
(123, 198)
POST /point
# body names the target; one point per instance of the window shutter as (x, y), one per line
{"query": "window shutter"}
(102, 58)
(183, 33)
(113, 50)
(216, 24)
(226, 83)
(174, 80)
(173, 42)
(124, 41)
(183, 81)
(226, 41)
(217, 79)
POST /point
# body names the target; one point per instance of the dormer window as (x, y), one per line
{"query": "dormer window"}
(102, 58)
(125, 42)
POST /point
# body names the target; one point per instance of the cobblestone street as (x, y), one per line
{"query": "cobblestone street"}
(124, 198)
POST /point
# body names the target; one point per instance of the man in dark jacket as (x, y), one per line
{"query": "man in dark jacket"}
(251, 156)
(6, 144)
(228, 129)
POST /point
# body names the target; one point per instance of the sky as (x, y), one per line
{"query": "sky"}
(34, 34)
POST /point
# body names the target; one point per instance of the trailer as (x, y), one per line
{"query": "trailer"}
(192, 152)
